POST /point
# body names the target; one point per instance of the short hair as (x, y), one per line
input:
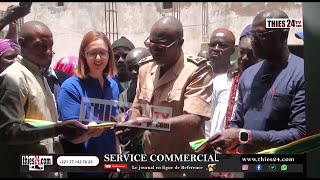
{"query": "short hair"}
(82, 70)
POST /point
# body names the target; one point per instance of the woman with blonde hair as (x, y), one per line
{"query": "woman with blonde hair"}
(92, 82)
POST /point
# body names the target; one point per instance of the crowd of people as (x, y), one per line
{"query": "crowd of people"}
(256, 103)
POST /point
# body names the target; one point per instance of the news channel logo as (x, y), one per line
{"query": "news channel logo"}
(283, 23)
(36, 162)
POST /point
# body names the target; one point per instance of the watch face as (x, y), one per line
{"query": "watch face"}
(244, 136)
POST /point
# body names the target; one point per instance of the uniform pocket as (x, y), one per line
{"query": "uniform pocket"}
(145, 95)
(173, 95)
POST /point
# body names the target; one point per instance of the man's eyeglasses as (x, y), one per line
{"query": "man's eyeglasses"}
(219, 45)
(102, 54)
(264, 35)
(161, 47)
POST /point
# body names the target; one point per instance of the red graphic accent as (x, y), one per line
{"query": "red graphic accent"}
(37, 160)
(115, 166)
(161, 115)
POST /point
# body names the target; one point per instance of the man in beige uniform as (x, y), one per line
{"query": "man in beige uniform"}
(177, 80)
(25, 94)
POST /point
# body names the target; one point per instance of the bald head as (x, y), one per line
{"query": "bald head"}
(225, 34)
(271, 13)
(133, 58)
(36, 43)
(166, 37)
(169, 24)
(273, 43)
(260, 19)
(221, 47)
(29, 28)
(203, 53)
(135, 55)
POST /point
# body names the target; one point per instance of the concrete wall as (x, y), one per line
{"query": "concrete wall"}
(70, 22)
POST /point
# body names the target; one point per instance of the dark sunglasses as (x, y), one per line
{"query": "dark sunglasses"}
(161, 47)
(264, 35)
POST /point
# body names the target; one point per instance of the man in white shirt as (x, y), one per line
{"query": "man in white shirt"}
(221, 47)
(225, 89)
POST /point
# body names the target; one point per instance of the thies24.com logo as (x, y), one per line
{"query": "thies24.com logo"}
(283, 23)
(36, 163)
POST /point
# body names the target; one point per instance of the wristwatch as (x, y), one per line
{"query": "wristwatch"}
(243, 136)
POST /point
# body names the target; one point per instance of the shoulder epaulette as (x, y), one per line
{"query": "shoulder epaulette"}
(195, 59)
(146, 60)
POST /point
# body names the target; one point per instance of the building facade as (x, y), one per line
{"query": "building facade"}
(70, 21)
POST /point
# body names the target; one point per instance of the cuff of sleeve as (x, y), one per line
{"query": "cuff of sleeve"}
(49, 131)
(198, 106)
(18, 134)
(257, 136)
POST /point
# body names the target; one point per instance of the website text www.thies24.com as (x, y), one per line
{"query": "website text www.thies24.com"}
(267, 159)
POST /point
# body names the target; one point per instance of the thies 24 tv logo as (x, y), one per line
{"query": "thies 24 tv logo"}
(36, 163)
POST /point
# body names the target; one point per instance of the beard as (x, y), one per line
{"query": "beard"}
(123, 76)
(123, 73)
